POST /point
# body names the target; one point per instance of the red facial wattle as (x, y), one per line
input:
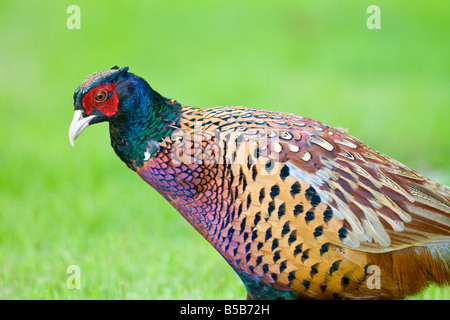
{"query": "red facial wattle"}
(108, 106)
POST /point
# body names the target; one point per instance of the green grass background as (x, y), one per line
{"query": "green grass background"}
(61, 205)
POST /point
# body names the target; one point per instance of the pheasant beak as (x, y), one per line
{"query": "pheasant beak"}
(79, 123)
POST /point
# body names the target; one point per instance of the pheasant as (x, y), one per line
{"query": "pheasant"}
(299, 209)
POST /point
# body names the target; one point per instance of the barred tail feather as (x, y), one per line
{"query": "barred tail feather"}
(436, 261)
(413, 269)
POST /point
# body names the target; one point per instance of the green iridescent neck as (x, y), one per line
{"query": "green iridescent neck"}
(135, 135)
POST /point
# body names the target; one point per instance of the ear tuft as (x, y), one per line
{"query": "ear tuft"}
(123, 71)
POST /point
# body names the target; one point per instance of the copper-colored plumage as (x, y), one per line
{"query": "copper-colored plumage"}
(298, 208)
(303, 210)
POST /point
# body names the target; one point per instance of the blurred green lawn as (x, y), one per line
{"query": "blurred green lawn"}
(61, 205)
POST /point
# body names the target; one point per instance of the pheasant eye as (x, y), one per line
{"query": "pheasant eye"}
(100, 96)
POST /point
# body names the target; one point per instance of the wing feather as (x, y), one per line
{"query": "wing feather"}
(385, 204)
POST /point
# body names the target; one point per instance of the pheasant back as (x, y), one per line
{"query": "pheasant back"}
(253, 183)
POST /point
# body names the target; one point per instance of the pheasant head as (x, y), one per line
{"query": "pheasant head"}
(138, 115)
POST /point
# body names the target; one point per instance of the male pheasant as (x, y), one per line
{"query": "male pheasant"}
(298, 208)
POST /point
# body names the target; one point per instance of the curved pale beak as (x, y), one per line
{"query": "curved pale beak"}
(79, 123)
